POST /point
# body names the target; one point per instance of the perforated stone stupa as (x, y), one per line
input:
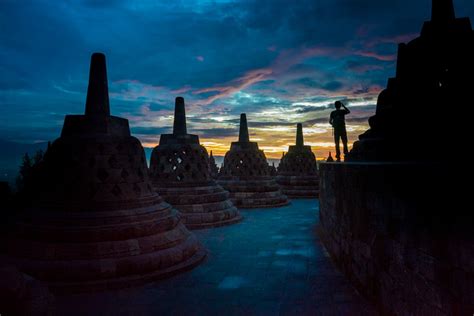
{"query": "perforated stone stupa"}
(213, 166)
(298, 171)
(246, 174)
(99, 223)
(181, 173)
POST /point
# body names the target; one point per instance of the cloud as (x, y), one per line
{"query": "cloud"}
(333, 86)
(376, 55)
(280, 61)
(235, 85)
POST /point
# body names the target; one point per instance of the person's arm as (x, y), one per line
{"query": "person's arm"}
(347, 110)
(331, 120)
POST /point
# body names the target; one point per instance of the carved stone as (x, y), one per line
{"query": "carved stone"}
(180, 171)
(298, 172)
(246, 174)
(213, 166)
(99, 224)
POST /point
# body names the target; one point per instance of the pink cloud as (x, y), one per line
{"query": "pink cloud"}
(235, 85)
(145, 115)
(403, 38)
(181, 90)
(285, 60)
(375, 55)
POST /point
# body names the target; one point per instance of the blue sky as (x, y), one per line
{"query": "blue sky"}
(282, 62)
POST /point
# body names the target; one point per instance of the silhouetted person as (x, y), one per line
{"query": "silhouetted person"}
(338, 122)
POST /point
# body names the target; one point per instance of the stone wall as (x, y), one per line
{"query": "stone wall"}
(402, 234)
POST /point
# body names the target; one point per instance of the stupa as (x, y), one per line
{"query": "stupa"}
(433, 71)
(330, 159)
(180, 172)
(213, 166)
(298, 171)
(394, 218)
(99, 223)
(246, 174)
(273, 170)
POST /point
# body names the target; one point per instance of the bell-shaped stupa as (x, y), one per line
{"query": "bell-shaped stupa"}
(213, 166)
(434, 76)
(181, 174)
(298, 171)
(98, 223)
(246, 174)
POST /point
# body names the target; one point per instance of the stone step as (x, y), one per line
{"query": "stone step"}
(94, 269)
(198, 219)
(98, 232)
(205, 207)
(191, 198)
(261, 202)
(105, 249)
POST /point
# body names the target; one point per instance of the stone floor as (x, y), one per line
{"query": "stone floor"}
(271, 263)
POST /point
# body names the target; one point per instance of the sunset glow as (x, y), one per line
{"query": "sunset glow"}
(269, 59)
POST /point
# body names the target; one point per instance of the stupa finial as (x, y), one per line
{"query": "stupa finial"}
(299, 135)
(179, 125)
(244, 130)
(97, 102)
(442, 10)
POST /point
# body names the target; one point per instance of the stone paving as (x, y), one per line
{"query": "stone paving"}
(272, 263)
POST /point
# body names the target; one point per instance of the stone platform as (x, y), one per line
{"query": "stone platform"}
(272, 263)
(402, 234)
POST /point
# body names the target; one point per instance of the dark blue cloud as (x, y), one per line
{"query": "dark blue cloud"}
(256, 56)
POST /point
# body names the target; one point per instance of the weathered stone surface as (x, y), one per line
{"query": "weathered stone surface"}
(405, 240)
(298, 172)
(270, 264)
(98, 223)
(402, 231)
(20, 294)
(181, 173)
(246, 174)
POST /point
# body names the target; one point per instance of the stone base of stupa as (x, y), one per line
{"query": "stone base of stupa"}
(254, 193)
(20, 294)
(203, 206)
(299, 187)
(100, 250)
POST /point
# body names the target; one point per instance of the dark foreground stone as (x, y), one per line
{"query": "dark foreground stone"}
(402, 234)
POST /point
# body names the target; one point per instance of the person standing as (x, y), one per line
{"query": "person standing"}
(338, 122)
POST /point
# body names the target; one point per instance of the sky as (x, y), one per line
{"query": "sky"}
(282, 62)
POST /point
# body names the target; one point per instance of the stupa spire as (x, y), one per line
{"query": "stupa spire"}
(179, 125)
(299, 135)
(97, 102)
(244, 130)
(442, 10)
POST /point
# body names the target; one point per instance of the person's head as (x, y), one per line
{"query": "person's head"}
(338, 104)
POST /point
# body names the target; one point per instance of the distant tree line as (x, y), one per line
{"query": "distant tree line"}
(28, 182)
